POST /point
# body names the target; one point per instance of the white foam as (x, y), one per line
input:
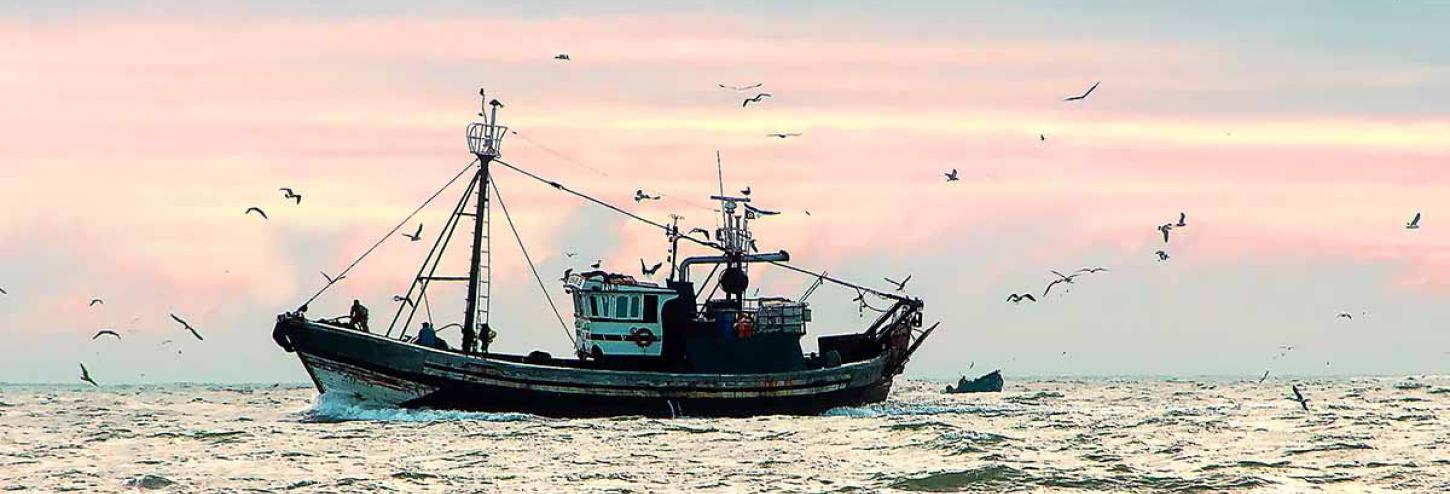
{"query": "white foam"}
(333, 407)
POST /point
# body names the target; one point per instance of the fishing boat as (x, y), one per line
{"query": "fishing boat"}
(665, 349)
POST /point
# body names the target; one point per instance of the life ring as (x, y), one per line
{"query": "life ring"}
(744, 325)
(642, 337)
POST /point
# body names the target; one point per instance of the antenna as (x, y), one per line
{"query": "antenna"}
(720, 172)
(482, 102)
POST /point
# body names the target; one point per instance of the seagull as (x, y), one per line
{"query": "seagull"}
(784, 135)
(597, 264)
(570, 254)
(952, 175)
(1345, 315)
(95, 301)
(331, 280)
(1299, 397)
(1182, 220)
(1018, 297)
(1414, 224)
(562, 56)
(1090, 270)
(745, 191)
(1042, 137)
(649, 271)
(701, 230)
(287, 193)
(754, 99)
(3, 292)
(406, 300)
(1083, 95)
(188, 327)
(1165, 228)
(258, 210)
(741, 88)
(1061, 278)
(86, 376)
(760, 212)
(417, 235)
(639, 195)
(1266, 376)
(1162, 256)
(900, 285)
(567, 272)
(105, 332)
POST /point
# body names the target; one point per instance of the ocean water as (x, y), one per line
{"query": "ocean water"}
(1048, 435)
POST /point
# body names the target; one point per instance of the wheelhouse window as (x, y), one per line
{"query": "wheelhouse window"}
(634, 303)
(621, 307)
(593, 307)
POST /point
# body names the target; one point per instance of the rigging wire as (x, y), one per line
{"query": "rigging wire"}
(705, 243)
(586, 166)
(499, 197)
(390, 234)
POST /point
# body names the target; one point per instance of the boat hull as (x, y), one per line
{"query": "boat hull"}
(388, 372)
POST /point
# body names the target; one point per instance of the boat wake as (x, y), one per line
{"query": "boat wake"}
(334, 407)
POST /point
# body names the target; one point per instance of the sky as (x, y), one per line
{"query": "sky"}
(1298, 137)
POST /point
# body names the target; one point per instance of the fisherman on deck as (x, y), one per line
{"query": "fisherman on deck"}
(359, 316)
(428, 337)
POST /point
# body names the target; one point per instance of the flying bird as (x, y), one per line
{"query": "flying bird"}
(86, 375)
(105, 332)
(649, 271)
(1299, 397)
(1182, 220)
(952, 175)
(188, 327)
(1083, 95)
(331, 280)
(3, 292)
(639, 195)
(570, 254)
(257, 210)
(287, 193)
(760, 212)
(1165, 228)
(1017, 298)
(1090, 270)
(95, 301)
(1061, 278)
(741, 88)
(900, 285)
(1042, 137)
(1345, 315)
(784, 135)
(406, 300)
(701, 230)
(754, 99)
(562, 56)
(1162, 256)
(1265, 376)
(1414, 224)
(417, 235)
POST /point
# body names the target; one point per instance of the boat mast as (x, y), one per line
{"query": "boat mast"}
(484, 140)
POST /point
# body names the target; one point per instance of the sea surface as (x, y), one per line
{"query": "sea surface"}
(1046, 435)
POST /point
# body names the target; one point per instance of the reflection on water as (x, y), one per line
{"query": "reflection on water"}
(1044, 435)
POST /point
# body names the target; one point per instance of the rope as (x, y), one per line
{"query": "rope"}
(713, 245)
(390, 234)
(499, 197)
(616, 209)
(586, 166)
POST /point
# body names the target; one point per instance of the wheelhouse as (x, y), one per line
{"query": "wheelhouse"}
(617, 316)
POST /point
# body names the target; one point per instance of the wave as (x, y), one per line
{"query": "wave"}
(333, 407)
(895, 409)
(1002, 477)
